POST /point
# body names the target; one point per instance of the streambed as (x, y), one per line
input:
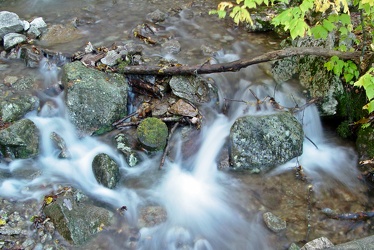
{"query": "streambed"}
(209, 208)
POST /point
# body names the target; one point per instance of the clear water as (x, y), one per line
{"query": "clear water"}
(207, 208)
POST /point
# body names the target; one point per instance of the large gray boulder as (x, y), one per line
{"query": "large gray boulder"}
(258, 143)
(20, 140)
(9, 23)
(13, 39)
(94, 99)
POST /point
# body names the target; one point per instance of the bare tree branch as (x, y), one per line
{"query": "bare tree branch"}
(238, 64)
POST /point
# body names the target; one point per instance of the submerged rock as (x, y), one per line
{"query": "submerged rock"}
(274, 223)
(21, 139)
(94, 99)
(152, 134)
(197, 90)
(77, 219)
(106, 170)
(258, 143)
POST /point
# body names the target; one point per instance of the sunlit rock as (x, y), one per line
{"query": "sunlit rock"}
(259, 143)
(183, 108)
(94, 99)
(320, 243)
(111, 58)
(21, 139)
(152, 134)
(9, 23)
(197, 90)
(13, 39)
(77, 219)
(106, 170)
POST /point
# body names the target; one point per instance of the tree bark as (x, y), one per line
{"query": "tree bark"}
(238, 64)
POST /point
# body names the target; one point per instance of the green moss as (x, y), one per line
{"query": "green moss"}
(365, 142)
(152, 133)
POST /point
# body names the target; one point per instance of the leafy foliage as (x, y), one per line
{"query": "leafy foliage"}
(335, 17)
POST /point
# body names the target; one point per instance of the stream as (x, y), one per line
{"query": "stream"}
(207, 205)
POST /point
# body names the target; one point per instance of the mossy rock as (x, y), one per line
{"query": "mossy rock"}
(365, 143)
(152, 134)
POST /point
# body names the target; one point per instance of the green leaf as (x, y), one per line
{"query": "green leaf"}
(333, 18)
(370, 106)
(299, 28)
(319, 31)
(343, 30)
(329, 26)
(345, 19)
(370, 91)
(306, 5)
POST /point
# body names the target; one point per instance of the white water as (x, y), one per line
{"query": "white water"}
(202, 207)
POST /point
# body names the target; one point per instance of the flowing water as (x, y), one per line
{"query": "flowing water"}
(207, 207)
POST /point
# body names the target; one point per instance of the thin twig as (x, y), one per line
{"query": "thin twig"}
(125, 118)
(167, 145)
(311, 141)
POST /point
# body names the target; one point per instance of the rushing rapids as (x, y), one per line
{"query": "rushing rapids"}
(207, 208)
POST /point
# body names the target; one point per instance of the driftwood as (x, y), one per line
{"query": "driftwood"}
(359, 216)
(238, 64)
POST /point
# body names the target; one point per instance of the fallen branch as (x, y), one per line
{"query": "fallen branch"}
(360, 216)
(238, 64)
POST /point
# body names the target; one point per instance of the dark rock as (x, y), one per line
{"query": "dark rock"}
(274, 223)
(152, 134)
(31, 56)
(106, 170)
(76, 219)
(197, 90)
(94, 99)
(365, 143)
(21, 139)
(9, 23)
(258, 143)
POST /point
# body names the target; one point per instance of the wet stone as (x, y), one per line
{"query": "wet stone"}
(152, 134)
(171, 47)
(106, 170)
(124, 145)
(21, 139)
(151, 216)
(80, 220)
(274, 223)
